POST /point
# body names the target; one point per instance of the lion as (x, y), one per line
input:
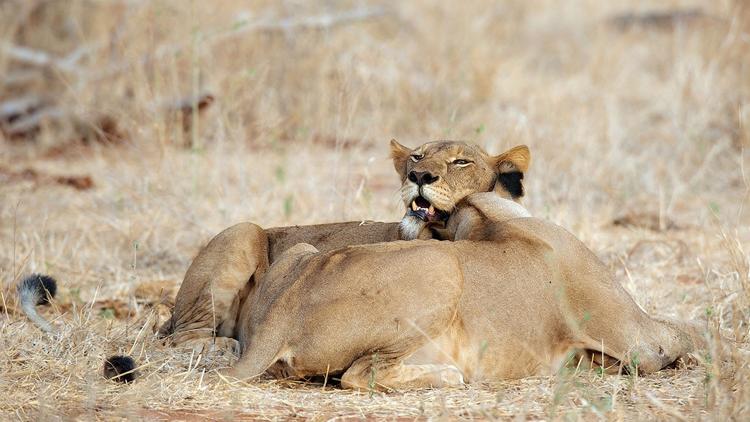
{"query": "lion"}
(221, 275)
(511, 296)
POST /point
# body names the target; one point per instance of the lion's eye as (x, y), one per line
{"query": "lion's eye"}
(417, 157)
(461, 162)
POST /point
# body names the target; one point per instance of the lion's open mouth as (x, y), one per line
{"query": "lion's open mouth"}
(425, 211)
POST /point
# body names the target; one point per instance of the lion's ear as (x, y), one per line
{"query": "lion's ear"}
(400, 155)
(510, 167)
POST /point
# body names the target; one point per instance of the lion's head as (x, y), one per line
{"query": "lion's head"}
(438, 175)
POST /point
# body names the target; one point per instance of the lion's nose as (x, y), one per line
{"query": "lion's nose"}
(422, 177)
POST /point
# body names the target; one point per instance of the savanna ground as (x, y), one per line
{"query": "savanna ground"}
(133, 131)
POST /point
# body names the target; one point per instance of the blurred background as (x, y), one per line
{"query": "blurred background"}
(624, 104)
(281, 111)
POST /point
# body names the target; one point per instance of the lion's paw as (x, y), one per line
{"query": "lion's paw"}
(451, 376)
(220, 345)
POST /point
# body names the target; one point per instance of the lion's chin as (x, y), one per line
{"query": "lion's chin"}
(411, 227)
(420, 216)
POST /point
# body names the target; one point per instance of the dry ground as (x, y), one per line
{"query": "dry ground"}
(637, 122)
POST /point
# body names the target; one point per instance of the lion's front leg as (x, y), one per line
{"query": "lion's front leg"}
(208, 301)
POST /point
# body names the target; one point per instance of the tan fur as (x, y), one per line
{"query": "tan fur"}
(217, 282)
(512, 296)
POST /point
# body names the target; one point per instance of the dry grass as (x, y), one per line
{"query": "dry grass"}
(643, 120)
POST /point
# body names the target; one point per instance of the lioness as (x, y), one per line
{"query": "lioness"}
(511, 296)
(439, 173)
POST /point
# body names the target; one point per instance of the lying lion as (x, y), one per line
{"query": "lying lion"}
(510, 297)
(220, 277)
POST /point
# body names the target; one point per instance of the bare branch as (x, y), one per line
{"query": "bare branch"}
(326, 21)
(26, 55)
(69, 62)
(31, 122)
(18, 106)
(43, 59)
(28, 113)
(22, 77)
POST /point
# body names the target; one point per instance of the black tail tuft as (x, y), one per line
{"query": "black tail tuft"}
(120, 368)
(36, 289)
(40, 287)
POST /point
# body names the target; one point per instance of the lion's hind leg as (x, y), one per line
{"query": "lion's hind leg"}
(261, 341)
(604, 318)
(640, 342)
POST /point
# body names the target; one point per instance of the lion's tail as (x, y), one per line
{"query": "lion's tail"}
(36, 289)
(258, 354)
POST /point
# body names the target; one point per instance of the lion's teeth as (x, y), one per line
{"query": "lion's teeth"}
(431, 210)
(414, 205)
